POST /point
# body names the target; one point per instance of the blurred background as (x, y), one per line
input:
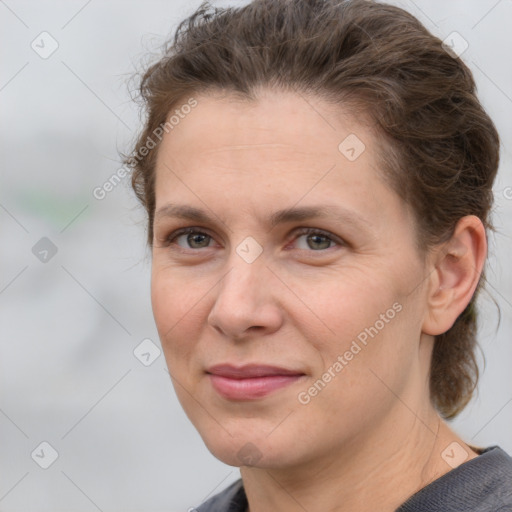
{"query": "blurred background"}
(88, 417)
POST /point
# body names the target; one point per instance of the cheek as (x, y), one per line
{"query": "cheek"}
(348, 302)
(177, 308)
(369, 325)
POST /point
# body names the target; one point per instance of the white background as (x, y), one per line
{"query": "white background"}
(68, 375)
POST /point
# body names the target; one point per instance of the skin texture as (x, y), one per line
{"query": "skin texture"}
(369, 438)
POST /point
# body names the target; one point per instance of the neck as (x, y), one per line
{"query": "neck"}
(375, 470)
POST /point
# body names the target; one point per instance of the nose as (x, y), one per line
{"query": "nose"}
(246, 301)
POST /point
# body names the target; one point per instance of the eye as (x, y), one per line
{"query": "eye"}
(316, 239)
(191, 237)
(307, 239)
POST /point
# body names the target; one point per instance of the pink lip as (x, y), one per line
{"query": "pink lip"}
(250, 382)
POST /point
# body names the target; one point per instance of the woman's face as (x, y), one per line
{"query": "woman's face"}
(336, 311)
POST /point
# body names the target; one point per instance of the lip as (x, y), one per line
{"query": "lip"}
(250, 382)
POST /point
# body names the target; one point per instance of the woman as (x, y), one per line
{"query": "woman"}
(318, 180)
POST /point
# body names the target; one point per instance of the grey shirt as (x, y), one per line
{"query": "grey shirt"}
(482, 484)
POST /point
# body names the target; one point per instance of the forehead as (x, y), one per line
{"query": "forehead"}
(282, 148)
(275, 123)
(278, 127)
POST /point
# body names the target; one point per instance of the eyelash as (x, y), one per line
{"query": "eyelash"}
(300, 232)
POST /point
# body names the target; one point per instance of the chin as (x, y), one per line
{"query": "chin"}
(244, 449)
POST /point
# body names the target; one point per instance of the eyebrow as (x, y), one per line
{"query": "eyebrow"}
(286, 215)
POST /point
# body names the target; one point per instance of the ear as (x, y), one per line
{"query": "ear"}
(458, 265)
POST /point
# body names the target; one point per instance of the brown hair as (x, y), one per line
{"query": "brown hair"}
(441, 149)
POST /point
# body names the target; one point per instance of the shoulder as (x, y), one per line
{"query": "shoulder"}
(231, 499)
(483, 484)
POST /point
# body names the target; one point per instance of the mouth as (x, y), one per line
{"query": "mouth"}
(250, 382)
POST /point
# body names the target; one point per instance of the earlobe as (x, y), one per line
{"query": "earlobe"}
(457, 268)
